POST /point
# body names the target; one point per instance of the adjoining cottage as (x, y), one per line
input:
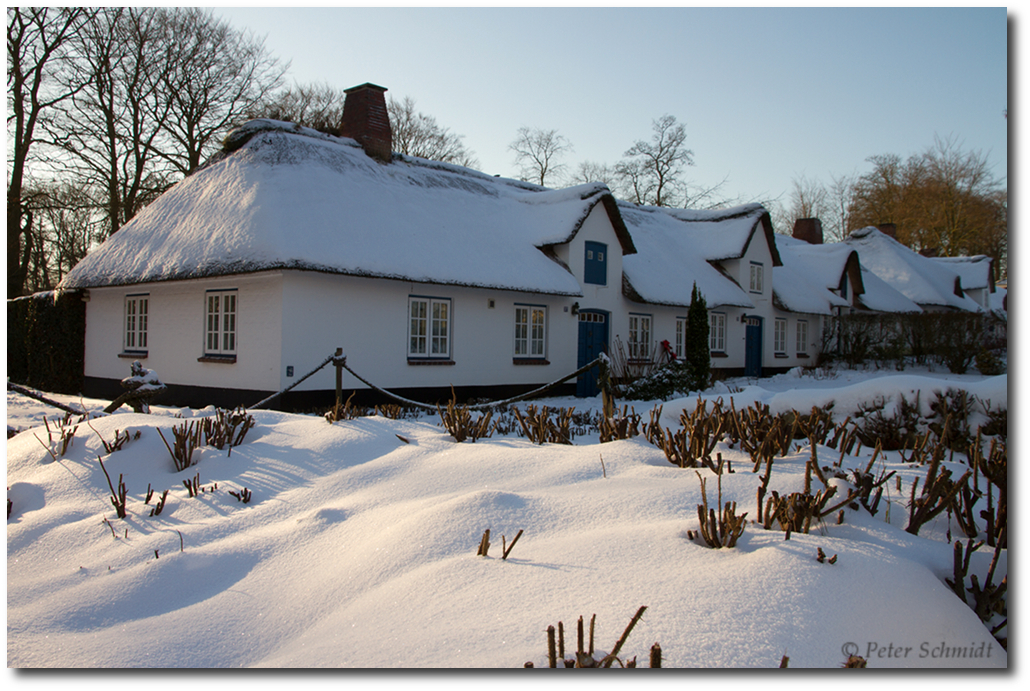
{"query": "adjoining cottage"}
(931, 284)
(730, 254)
(837, 268)
(976, 274)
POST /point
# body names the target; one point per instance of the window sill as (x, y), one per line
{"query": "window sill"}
(780, 355)
(718, 354)
(412, 361)
(802, 355)
(530, 361)
(224, 359)
(133, 355)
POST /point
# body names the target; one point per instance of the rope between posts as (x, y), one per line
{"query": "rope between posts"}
(480, 406)
(277, 394)
(341, 361)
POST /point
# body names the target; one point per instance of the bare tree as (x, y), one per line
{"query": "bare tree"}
(216, 74)
(318, 106)
(879, 195)
(38, 43)
(944, 198)
(840, 195)
(418, 134)
(112, 129)
(652, 171)
(588, 171)
(66, 224)
(697, 196)
(807, 199)
(538, 153)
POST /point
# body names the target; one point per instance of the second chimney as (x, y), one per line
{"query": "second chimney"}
(366, 120)
(889, 229)
(810, 230)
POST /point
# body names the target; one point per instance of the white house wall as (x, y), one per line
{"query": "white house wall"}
(811, 348)
(176, 332)
(369, 319)
(597, 227)
(736, 333)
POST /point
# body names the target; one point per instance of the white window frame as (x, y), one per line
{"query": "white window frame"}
(717, 332)
(530, 331)
(429, 328)
(639, 336)
(757, 277)
(137, 318)
(780, 336)
(681, 336)
(221, 321)
(802, 337)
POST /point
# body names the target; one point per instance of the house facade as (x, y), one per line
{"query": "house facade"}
(290, 243)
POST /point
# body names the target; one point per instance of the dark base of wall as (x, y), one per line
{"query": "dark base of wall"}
(306, 401)
(772, 371)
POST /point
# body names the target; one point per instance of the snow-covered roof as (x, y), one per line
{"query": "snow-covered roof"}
(975, 271)
(924, 281)
(997, 300)
(796, 290)
(824, 265)
(675, 251)
(729, 231)
(285, 197)
(879, 296)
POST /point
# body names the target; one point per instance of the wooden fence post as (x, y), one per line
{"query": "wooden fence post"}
(339, 378)
(607, 394)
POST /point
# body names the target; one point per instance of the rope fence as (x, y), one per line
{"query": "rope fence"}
(339, 360)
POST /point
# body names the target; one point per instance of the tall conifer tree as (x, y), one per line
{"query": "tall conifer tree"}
(695, 344)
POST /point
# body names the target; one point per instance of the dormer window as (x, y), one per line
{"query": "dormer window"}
(757, 271)
(595, 264)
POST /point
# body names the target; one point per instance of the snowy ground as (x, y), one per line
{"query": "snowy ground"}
(358, 548)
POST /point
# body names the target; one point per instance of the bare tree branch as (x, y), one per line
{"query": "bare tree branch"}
(538, 153)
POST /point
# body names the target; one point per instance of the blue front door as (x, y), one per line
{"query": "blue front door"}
(593, 340)
(753, 347)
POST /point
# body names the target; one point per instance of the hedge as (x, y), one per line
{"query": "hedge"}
(46, 341)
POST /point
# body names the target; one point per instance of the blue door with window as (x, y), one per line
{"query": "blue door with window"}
(593, 340)
(753, 347)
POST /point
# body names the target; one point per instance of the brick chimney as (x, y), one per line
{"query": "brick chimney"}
(810, 230)
(930, 252)
(366, 120)
(889, 229)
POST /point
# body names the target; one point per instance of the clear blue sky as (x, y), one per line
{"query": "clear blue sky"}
(765, 94)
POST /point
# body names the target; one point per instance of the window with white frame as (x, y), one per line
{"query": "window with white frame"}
(757, 271)
(429, 327)
(137, 315)
(717, 332)
(639, 336)
(802, 334)
(220, 322)
(530, 331)
(780, 337)
(681, 331)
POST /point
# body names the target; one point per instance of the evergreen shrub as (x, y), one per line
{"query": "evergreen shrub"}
(46, 341)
